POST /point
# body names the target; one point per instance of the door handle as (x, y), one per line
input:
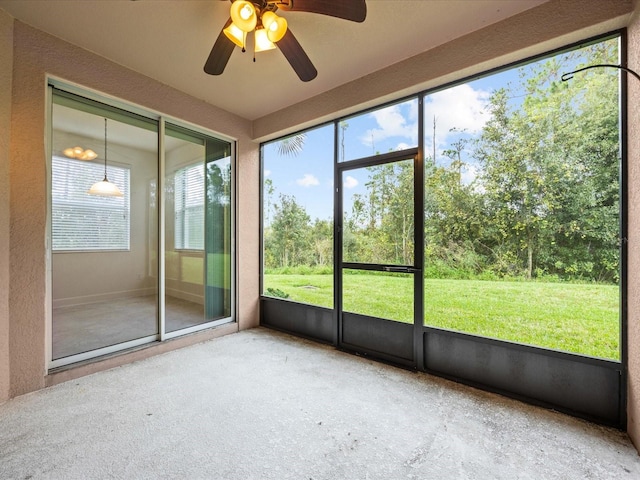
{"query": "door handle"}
(401, 269)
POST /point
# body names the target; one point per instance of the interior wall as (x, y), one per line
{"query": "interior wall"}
(633, 234)
(6, 60)
(37, 54)
(176, 286)
(124, 273)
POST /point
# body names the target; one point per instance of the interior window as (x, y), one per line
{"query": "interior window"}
(189, 207)
(80, 221)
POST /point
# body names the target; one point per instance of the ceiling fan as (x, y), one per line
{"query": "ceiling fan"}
(270, 29)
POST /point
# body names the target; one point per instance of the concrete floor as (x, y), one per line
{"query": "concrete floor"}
(264, 405)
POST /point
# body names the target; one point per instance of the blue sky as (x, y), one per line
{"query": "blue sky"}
(459, 112)
(309, 175)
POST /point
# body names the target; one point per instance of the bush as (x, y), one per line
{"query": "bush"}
(300, 270)
(276, 293)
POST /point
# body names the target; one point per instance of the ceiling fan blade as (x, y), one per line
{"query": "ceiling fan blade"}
(220, 53)
(296, 56)
(354, 10)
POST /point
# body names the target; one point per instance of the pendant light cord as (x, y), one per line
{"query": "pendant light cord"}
(105, 148)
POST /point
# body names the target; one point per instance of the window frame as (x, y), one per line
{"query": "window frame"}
(179, 234)
(620, 34)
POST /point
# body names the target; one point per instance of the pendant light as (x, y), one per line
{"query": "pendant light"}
(105, 187)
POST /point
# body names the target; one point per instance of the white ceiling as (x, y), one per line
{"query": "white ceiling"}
(169, 40)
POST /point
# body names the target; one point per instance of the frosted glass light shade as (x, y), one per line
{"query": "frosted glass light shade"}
(105, 188)
(244, 15)
(262, 41)
(236, 35)
(275, 26)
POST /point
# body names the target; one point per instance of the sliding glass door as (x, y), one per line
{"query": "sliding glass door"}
(107, 264)
(105, 284)
(198, 229)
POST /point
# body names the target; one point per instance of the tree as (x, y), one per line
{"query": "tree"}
(550, 169)
(292, 145)
(288, 238)
(381, 226)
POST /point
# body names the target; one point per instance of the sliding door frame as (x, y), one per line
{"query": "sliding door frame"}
(161, 119)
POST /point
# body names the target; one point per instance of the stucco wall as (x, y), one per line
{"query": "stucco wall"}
(6, 60)
(35, 55)
(633, 263)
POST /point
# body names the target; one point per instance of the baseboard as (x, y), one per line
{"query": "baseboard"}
(102, 297)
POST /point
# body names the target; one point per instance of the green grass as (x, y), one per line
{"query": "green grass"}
(578, 318)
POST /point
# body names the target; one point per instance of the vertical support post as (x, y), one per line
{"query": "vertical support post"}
(161, 230)
(418, 280)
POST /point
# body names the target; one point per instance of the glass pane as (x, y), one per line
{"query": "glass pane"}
(197, 229)
(387, 129)
(297, 217)
(378, 214)
(522, 207)
(104, 270)
(378, 294)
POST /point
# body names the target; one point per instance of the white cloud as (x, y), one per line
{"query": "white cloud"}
(308, 180)
(469, 174)
(461, 107)
(267, 173)
(392, 123)
(350, 182)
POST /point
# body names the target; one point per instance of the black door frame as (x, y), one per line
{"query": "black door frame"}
(371, 335)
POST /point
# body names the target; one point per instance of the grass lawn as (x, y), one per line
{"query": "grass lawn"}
(578, 318)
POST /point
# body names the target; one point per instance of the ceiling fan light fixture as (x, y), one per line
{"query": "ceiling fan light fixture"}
(262, 42)
(275, 26)
(74, 151)
(236, 35)
(80, 153)
(244, 15)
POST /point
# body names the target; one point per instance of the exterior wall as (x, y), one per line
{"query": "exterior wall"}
(35, 55)
(6, 60)
(633, 234)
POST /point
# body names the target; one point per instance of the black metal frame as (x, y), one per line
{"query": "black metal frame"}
(361, 333)
(586, 387)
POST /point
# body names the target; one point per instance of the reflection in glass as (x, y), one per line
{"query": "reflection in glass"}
(104, 278)
(198, 229)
